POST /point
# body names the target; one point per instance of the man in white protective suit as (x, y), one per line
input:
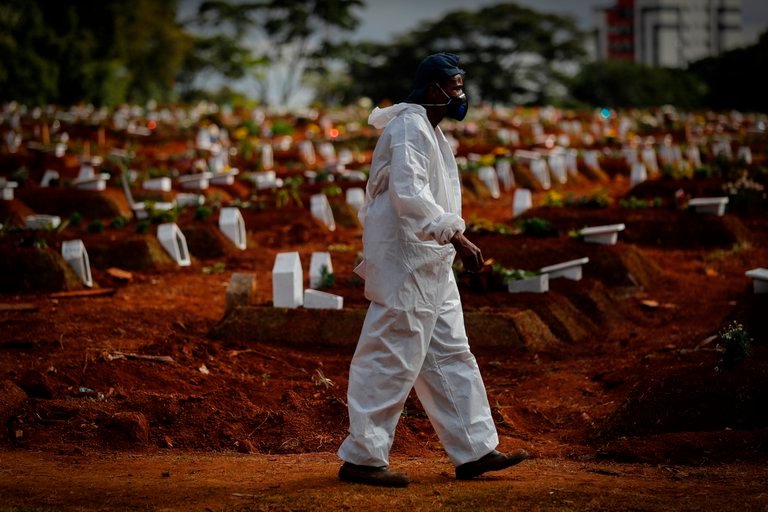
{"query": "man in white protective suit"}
(413, 335)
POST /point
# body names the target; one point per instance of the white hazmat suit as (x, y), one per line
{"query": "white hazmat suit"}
(413, 335)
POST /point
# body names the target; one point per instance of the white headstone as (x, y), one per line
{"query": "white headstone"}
(231, 223)
(184, 199)
(744, 153)
(504, 171)
(693, 155)
(163, 184)
(355, 197)
(327, 152)
(535, 284)
(568, 269)
(630, 155)
(263, 179)
(199, 181)
(225, 177)
(606, 235)
(490, 179)
(572, 162)
(321, 210)
(722, 148)
(591, 159)
(759, 278)
(307, 152)
(315, 299)
(557, 168)
(648, 156)
(6, 189)
(287, 280)
(267, 157)
(76, 256)
(712, 205)
(39, 221)
(541, 173)
(638, 174)
(522, 201)
(174, 242)
(319, 261)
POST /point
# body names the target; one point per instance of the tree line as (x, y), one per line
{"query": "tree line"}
(109, 52)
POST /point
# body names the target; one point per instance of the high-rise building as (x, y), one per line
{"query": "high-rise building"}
(669, 33)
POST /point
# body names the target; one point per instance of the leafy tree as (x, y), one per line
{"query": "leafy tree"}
(617, 83)
(736, 79)
(510, 53)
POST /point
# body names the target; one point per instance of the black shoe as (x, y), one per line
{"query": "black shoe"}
(372, 475)
(494, 461)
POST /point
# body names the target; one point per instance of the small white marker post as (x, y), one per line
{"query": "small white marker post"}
(606, 235)
(557, 167)
(307, 152)
(6, 187)
(88, 179)
(174, 242)
(568, 269)
(759, 278)
(163, 184)
(321, 210)
(711, 205)
(638, 174)
(319, 261)
(231, 223)
(74, 253)
(540, 171)
(39, 221)
(225, 177)
(315, 299)
(504, 171)
(522, 201)
(199, 181)
(287, 281)
(48, 176)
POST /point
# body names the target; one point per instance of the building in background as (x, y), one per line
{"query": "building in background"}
(669, 33)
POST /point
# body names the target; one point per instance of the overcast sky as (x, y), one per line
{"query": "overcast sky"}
(380, 19)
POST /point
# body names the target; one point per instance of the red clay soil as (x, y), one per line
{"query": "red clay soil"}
(643, 383)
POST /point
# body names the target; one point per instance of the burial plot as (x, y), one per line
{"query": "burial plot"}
(321, 210)
(74, 253)
(232, 225)
(709, 205)
(355, 197)
(606, 235)
(287, 281)
(569, 269)
(315, 299)
(320, 266)
(759, 278)
(174, 243)
(141, 209)
(533, 284)
(521, 201)
(490, 179)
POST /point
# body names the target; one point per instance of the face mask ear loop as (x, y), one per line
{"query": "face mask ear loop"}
(438, 104)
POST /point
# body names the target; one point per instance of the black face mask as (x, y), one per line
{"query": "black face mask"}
(456, 107)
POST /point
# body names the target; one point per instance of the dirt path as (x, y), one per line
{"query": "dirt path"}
(230, 482)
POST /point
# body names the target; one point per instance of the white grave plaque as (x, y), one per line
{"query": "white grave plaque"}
(232, 225)
(287, 280)
(606, 235)
(713, 205)
(522, 201)
(557, 168)
(638, 174)
(487, 175)
(76, 256)
(504, 171)
(6, 189)
(319, 261)
(759, 278)
(568, 269)
(267, 157)
(321, 210)
(46, 222)
(163, 184)
(541, 173)
(199, 181)
(307, 152)
(591, 159)
(649, 160)
(174, 242)
(744, 153)
(535, 284)
(315, 299)
(355, 197)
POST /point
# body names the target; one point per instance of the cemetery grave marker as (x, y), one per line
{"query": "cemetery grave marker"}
(174, 243)
(759, 278)
(534, 284)
(40, 221)
(225, 177)
(744, 154)
(521, 201)
(606, 235)
(76, 256)
(231, 223)
(355, 197)
(711, 205)
(267, 157)
(569, 269)
(490, 179)
(315, 299)
(648, 157)
(162, 184)
(6, 189)
(321, 210)
(638, 174)
(307, 152)
(287, 280)
(504, 171)
(240, 289)
(88, 179)
(199, 181)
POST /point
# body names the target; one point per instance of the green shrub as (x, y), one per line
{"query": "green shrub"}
(737, 345)
(96, 226)
(202, 212)
(76, 219)
(118, 222)
(143, 226)
(535, 226)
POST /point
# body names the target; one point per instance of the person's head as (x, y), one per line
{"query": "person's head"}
(439, 86)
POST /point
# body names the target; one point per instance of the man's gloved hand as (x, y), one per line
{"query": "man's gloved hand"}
(469, 253)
